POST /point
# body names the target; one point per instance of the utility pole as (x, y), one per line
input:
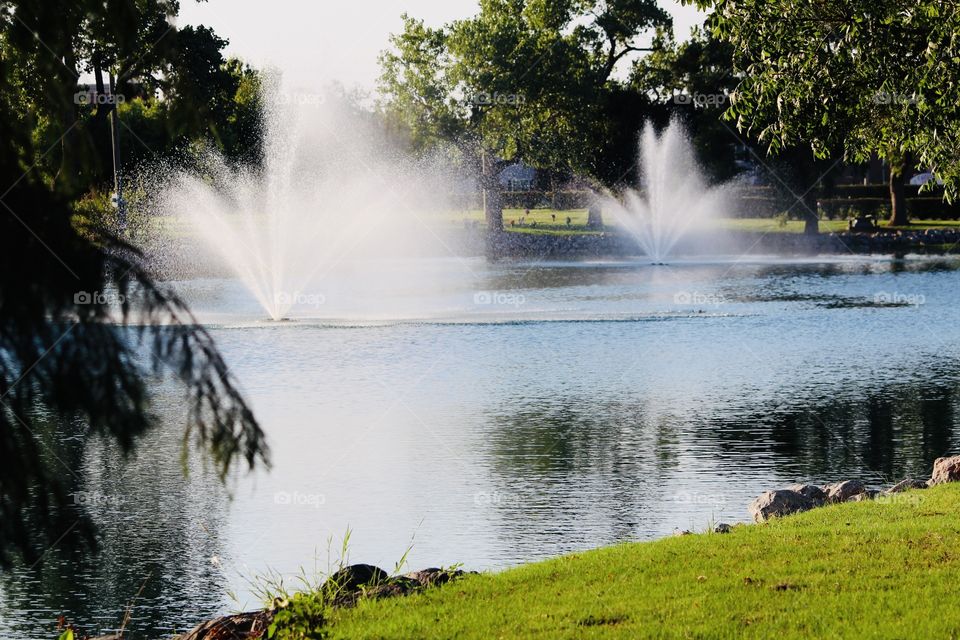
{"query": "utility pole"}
(117, 169)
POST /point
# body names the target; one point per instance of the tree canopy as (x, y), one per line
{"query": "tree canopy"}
(83, 326)
(868, 77)
(692, 79)
(522, 80)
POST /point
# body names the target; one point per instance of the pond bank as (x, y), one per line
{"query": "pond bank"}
(611, 244)
(853, 568)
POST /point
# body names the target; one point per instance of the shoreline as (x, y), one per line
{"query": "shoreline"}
(615, 245)
(612, 244)
(363, 601)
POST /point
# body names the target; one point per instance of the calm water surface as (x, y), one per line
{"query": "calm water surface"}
(495, 414)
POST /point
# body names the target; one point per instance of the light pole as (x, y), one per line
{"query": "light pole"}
(117, 169)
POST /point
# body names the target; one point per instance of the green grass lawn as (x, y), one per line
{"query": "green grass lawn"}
(883, 569)
(539, 221)
(545, 223)
(578, 217)
(770, 225)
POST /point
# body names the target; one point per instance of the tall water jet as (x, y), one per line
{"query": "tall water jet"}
(674, 198)
(330, 196)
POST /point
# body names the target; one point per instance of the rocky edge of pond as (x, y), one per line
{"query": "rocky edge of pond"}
(803, 497)
(344, 588)
(359, 581)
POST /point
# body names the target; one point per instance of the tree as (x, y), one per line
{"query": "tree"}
(864, 76)
(523, 80)
(693, 79)
(65, 348)
(137, 54)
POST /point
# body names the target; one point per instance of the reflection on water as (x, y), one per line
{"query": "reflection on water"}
(614, 402)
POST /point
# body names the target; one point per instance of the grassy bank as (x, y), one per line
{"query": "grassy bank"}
(878, 569)
(770, 225)
(553, 221)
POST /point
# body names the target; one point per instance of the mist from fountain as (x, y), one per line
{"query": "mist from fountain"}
(674, 199)
(331, 195)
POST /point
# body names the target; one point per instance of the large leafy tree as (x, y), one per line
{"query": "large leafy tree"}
(65, 349)
(131, 48)
(864, 76)
(522, 80)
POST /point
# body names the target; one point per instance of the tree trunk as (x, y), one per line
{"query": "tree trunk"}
(117, 167)
(103, 106)
(811, 222)
(492, 200)
(898, 196)
(67, 176)
(803, 176)
(594, 217)
(808, 170)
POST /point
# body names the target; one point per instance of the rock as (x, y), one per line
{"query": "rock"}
(354, 576)
(722, 527)
(904, 485)
(782, 502)
(348, 585)
(869, 494)
(433, 576)
(811, 491)
(843, 491)
(945, 470)
(394, 588)
(241, 626)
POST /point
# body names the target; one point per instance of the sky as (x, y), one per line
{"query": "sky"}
(314, 42)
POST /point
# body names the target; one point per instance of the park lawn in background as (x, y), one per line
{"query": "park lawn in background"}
(578, 223)
(881, 569)
(578, 217)
(771, 225)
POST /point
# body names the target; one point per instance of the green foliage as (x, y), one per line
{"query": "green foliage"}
(693, 79)
(94, 210)
(301, 617)
(880, 569)
(865, 76)
(226, 113)
(174, 84)
(417, 86)
(69, 356)
(522, 80)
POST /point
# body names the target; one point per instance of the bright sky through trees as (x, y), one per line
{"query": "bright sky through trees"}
(314, 42)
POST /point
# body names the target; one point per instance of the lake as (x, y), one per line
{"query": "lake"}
(494, 414)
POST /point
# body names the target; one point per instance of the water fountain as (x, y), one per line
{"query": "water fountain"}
(333, 223)
(674, 198)
(329, 197)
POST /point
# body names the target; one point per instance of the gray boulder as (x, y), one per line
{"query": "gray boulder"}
(811, 491)
(781, 502)
(434, 576)
(355, 576)
(945, 470)
(843, 491)
(905, 485)
(253, 624)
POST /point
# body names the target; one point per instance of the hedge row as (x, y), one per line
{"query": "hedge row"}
(919, 208)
